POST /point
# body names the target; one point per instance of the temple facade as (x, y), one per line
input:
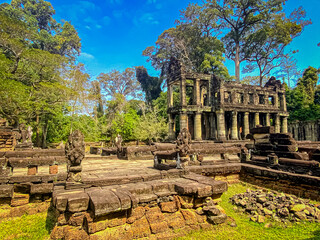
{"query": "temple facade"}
(213, 109)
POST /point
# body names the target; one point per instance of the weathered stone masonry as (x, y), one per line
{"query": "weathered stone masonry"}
(211, 108)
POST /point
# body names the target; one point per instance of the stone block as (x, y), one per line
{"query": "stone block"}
(103, 202)
(32, 170)
(174, 220)
(189, 216)
(124, 197)
(19, 199)
(53, 169)
(41, 188)
(169, 207)
(6, 191)
(3, 162)
(78, 202)
(141, 228)
(135, 214)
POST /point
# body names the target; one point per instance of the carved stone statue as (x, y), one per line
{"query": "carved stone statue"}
(183, 146)
(23, 132)
(75, 152)
(29, 134)
(118, 143)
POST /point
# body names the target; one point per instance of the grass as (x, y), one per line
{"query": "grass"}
(27, 227)
(246, 229)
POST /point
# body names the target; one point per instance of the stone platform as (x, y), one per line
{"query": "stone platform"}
(121, 199)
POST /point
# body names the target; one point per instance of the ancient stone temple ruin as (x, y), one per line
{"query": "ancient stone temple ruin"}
(214, 109)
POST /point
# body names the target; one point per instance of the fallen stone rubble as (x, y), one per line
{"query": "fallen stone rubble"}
(277, 206)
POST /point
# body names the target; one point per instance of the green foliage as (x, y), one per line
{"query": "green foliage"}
(302, 101)
(150, 85)
(161, 104)
(151, 126)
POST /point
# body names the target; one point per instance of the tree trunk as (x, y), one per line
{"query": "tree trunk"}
(44, 134)
(237, 62)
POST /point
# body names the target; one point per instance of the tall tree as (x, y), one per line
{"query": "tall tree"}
(123, 83)
(150, 85)
(288, 69)
(191, 47)
(237, 21)
(265, 48)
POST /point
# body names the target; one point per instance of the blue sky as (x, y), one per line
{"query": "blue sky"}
(115, 32)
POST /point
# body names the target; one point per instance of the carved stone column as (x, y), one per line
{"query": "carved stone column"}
(234, 128)
(284, 125)
(171, 123)
(221, 125)
(268, 119)
(277, 123)
(256, 119)
(196, 92)
(246, 126)
(197, 126)
(183, 120)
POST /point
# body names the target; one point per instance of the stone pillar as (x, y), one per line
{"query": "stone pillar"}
(197, 126)
(277, 123)
(212, 126)
(207, 124)
(234, 128)
(183, 121)
(196, 92)
(183, 99)
(221, 125)
(268, 119)
(170, 96)
(246, 126)
(284, 125)
(276, 100)
(171, 122)
(256, 119)
(284, 103)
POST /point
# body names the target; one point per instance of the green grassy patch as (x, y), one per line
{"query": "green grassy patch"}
(27, 227)
(246, 229)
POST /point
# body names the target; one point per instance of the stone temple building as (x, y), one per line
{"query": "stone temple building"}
(213, 109)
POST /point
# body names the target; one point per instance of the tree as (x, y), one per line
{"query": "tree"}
(288, 69)
(150, 85)
(302, 101)
(78, 83)
(34, 52)
(264, 49)
(191, 47)
(238, 21)
(49, 35)
(123, 83)
(151, 126)
(308, 82)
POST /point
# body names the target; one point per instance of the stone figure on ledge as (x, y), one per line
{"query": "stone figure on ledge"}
(75, 152)
(183, 147)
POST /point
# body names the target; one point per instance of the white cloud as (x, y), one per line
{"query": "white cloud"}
(148, 18)
(86, 55)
